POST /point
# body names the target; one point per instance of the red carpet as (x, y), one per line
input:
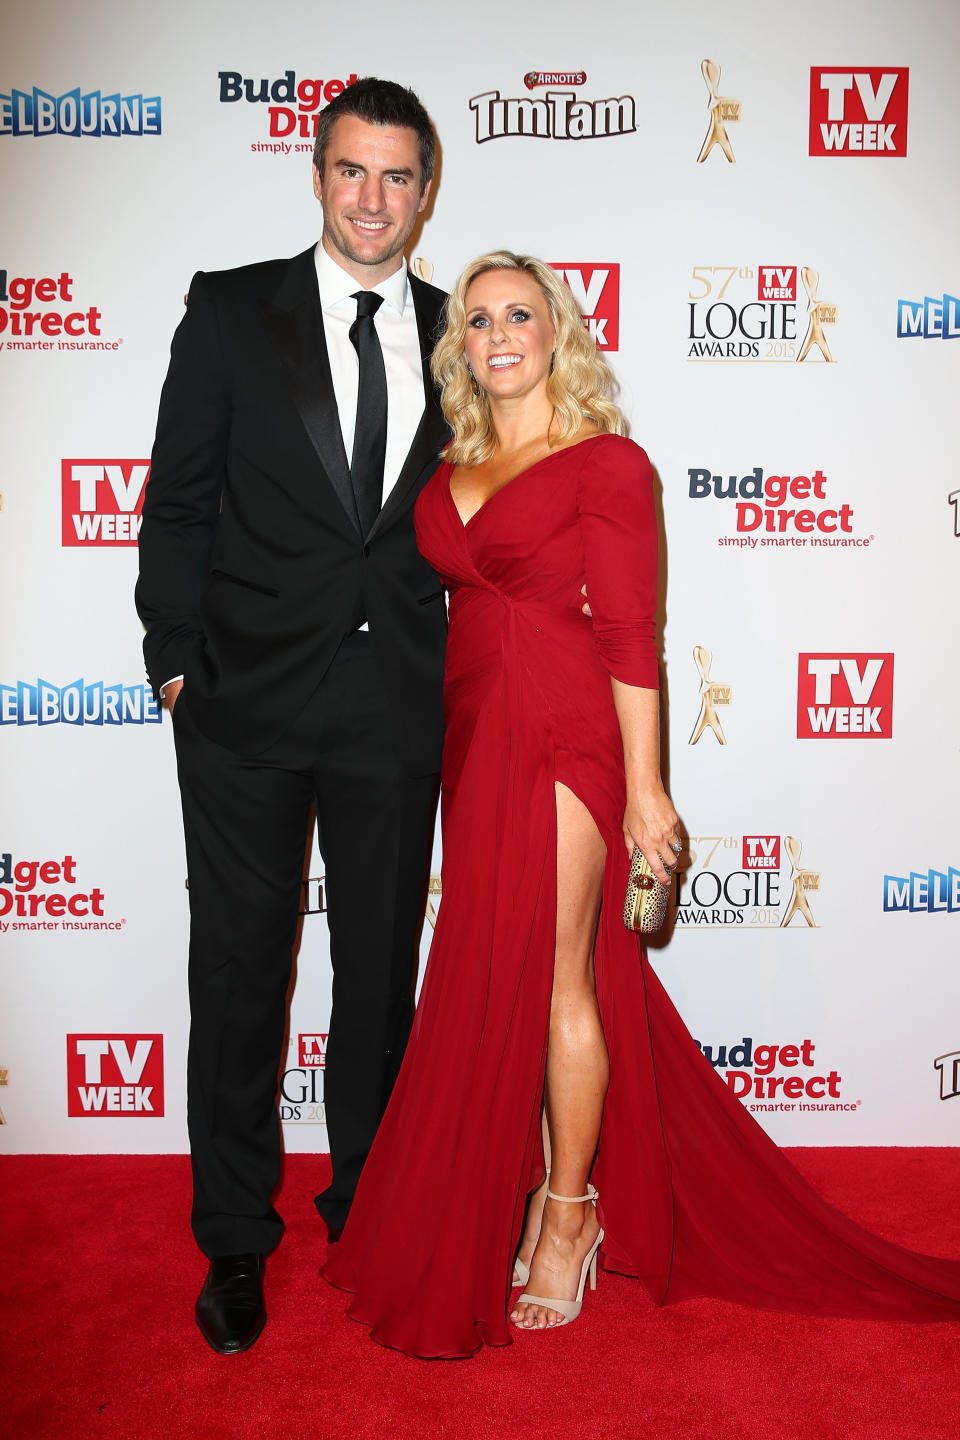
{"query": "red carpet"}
(100, 1276)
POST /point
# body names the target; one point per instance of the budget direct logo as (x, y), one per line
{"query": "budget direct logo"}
(85, 116)
(115, 1076)
(795, 512)
(782, 1077)
(931, 318)
(301, 1085)
(42, 313)
(858, 112)
(101, 501)
(560, 114)
(929, 891)
(596, 289)
(745, 313)
(750, 881)
(48, 895)
(288, 118)
(81, 702)
(845, 697)
(948, 1067)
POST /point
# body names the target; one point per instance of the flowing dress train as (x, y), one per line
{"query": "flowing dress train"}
(695, 1198)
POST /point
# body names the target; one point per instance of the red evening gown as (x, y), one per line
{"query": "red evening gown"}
(695, 1198)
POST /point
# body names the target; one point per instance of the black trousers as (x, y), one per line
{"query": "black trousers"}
(245, 824)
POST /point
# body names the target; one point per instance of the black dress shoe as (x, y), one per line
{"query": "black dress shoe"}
(230, 1310)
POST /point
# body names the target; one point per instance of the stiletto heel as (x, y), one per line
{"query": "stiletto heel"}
(570, 1309)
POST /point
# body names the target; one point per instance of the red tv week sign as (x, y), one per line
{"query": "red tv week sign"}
(860, 111)
(313, 1051)
(596, 289)
(761, 852)
(845, 697)
(102, 500)
(115, 1075)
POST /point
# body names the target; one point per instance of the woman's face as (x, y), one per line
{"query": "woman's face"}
(509, 338)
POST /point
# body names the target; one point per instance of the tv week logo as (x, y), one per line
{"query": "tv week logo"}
(596, 289)
(858, 112)
(844, 696)
(115, 1075)
(102, 500)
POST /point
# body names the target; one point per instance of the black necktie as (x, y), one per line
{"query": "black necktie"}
(370, 433)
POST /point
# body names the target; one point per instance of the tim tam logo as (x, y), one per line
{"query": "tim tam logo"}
(948, 1067)
(860, 111)
(560, 114)
(596, 289)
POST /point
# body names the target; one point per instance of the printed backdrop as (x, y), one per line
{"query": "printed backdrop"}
(754, 209)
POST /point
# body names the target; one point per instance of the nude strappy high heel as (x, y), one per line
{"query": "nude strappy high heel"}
(521, 1270)
(570, 1309)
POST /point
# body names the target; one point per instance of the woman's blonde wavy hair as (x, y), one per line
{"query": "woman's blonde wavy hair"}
(580, 387)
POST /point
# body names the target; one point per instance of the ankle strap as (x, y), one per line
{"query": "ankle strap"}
(573, 1199)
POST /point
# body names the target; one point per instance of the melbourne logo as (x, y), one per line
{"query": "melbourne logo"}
(596, 289)
(712, 694)
(292, 106)
(858, 112)
(931, 318)
(84, 116)
(102, 500)
(796, 512)
(845, 697)
(930, 891)
(46, 895)
(720, 112)
(561, 114)
(743, 880)
(778, 1077)
(41, 313)
(115, 1075)
(79, 703)
(301, 1085)
(949, 1069)
(749, 312)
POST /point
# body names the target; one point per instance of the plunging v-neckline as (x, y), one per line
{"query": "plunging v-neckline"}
(551, 455)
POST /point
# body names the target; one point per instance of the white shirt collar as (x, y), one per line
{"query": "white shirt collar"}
(336, 285)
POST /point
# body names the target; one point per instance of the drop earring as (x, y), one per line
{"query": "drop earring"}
(473, 380)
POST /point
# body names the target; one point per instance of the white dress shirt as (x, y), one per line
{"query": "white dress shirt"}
(396, 325)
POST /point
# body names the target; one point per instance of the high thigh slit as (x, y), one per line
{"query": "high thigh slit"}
(695, 1198)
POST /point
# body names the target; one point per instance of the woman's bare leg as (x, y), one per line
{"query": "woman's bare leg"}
(577, 1066)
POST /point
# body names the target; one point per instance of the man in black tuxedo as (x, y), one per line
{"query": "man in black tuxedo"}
(296, 636)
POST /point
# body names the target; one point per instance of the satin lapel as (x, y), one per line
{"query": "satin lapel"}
(294, 322)
(432, 432)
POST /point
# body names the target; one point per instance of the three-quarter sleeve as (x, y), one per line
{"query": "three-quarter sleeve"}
(619, 535)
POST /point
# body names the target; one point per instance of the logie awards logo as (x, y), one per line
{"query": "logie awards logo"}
(745, 313)
(712, 694)
(751, 881)
(721, 112)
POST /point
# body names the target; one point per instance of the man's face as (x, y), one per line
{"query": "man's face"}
(371, 194)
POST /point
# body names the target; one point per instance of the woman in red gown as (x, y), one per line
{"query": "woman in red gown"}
(540, 1018)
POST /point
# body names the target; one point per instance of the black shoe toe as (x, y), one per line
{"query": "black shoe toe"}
(230, 1311)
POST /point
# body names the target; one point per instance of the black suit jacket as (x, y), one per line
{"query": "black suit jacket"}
(252, 564)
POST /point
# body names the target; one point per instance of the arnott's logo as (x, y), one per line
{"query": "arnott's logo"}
(533, 78)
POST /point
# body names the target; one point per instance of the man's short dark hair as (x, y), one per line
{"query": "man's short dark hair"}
(379, 102)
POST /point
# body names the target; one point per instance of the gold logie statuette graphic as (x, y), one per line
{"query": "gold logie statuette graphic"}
(819, 313)
(4, 1080)
(721, 111)
(423, 269)
(712, 694)
(803, 882)
(433, 888)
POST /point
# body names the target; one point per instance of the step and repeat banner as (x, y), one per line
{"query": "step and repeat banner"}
(757, 212)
